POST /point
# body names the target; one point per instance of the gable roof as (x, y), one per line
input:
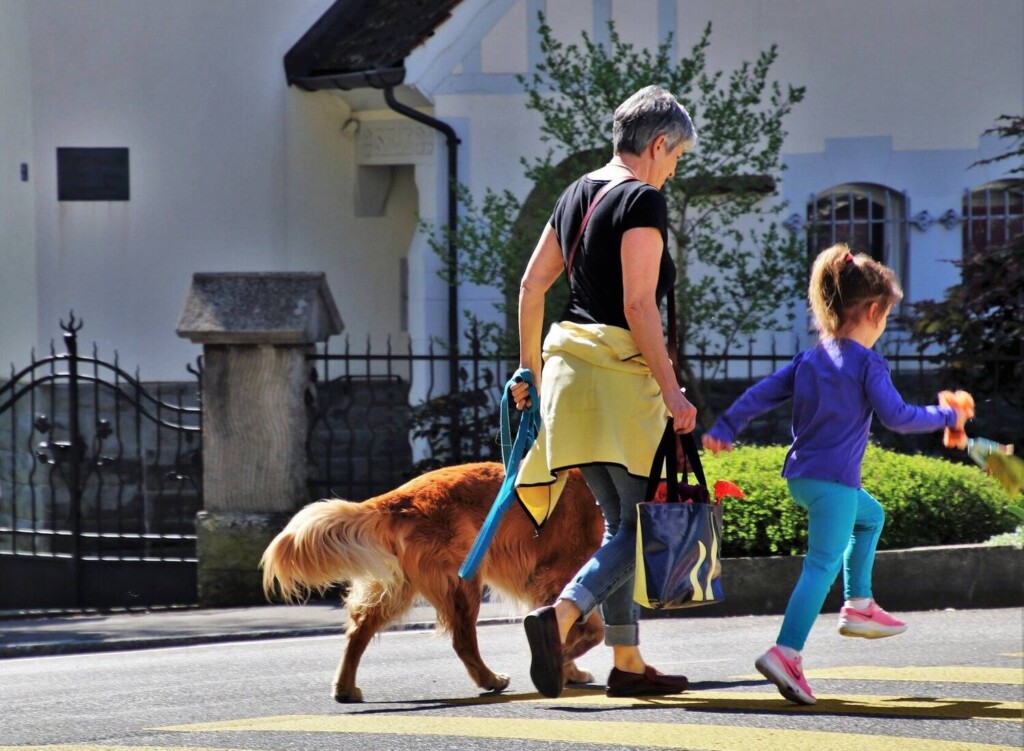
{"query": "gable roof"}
(358, 43)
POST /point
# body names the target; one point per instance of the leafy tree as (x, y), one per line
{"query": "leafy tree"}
(1008, 126)
(738, 272)
(980, 322)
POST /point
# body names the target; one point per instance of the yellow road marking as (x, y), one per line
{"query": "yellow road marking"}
(77, 747)
(1001, 676)
(882, 706)
(627, 734)
(943, 708)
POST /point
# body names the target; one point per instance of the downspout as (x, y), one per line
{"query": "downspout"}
(386, 79)
(452, 142)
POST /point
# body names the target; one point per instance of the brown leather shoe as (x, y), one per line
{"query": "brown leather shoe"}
(541, 627)
(648, 683)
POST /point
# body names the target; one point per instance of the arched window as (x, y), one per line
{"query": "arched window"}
(869, 218)
(993, 216)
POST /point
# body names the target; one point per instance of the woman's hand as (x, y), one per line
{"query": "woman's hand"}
(521, 395)
(714, 445)
(684, 414)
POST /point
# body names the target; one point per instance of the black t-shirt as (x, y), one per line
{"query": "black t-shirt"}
(595, 294)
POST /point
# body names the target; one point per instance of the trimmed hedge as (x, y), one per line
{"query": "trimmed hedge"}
(927, 501)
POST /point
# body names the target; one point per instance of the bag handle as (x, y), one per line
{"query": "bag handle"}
(586, 219)
(687, 442)
(666, 454)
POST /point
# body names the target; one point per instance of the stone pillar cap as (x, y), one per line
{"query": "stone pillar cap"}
(259, 308)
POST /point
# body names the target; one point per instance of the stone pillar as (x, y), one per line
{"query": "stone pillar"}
(256, 330)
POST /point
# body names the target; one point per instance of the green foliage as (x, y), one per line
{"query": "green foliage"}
(933, 502)
(766, 522)
(927, 501)
(980, 322)
(1012, 127)
(490, 249)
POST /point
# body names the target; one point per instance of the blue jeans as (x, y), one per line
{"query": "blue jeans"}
(844, 525)
(607, 578)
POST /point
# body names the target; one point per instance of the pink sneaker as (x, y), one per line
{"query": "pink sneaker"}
(870, 623)
(786, 674)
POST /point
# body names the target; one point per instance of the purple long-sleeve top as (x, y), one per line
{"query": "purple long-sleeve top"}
(835, 387)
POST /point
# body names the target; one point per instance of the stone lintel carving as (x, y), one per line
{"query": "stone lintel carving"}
(259, 308)
(382, 142)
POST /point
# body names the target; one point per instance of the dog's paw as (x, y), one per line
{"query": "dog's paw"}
(576, 677)
(348, 697)
(499, 683)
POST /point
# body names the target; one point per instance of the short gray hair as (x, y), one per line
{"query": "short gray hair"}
(647, 114)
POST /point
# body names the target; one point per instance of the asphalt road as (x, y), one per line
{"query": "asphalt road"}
(955, 680)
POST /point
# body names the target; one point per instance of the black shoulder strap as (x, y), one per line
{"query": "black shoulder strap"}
(586, 218)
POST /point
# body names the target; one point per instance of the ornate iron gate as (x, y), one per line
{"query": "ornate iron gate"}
(100, 481)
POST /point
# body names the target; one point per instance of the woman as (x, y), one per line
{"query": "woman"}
(607, 384)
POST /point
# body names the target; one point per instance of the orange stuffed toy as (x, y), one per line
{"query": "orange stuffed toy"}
(964, 402)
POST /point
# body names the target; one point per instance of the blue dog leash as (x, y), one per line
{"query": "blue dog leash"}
(512, 454)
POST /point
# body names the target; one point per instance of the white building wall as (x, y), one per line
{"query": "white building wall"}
(230, 169)
(928, 73)
(325, 230)
(17, 223)
(233, 170)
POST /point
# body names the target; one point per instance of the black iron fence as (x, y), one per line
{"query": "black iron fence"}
(381, 417)
(100, 482)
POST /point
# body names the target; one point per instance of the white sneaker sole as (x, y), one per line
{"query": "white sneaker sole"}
(870, 630)
(782, 681)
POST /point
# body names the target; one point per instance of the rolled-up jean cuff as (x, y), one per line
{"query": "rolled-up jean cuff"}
(581, 597)
(622, 636)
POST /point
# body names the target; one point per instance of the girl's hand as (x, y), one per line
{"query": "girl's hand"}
(714, 445)
(684, 414)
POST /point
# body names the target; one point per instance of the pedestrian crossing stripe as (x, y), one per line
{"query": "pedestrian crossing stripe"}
(90, 747)
(1000, 676)
(832, 704)
(747, 701)
(670, 735)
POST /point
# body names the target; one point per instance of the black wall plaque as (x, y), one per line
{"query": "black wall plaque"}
(92, 174)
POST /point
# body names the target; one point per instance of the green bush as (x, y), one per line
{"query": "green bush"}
(927, 501)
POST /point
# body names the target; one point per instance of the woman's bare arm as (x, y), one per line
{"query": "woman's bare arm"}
(544, 267)
(641, 264)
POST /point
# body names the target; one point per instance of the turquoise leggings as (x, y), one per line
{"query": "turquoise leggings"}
(844, 525)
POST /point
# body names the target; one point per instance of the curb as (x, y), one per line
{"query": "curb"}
(951, 576)
(956, 576)
(135, 643)
(44, 649)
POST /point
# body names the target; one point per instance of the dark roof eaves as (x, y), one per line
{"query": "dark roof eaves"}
(375, 78)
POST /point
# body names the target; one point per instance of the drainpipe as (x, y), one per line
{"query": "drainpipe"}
(386, 79)
(453, 268)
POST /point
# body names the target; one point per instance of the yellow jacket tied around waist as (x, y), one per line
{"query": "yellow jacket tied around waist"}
(599, 403)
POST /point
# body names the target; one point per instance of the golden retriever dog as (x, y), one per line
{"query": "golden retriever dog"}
(410, 542)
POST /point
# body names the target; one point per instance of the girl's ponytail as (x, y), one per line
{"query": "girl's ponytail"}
(843, 286)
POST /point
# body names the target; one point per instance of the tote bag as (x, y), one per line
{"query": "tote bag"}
(678, 541)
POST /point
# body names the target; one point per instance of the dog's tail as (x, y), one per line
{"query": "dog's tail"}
(326, 543)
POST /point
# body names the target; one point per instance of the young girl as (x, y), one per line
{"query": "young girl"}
(835, 387)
